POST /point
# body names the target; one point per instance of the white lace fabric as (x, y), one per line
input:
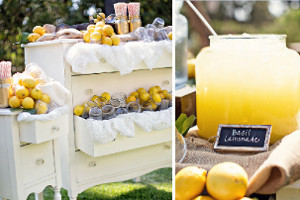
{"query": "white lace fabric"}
(106, 131)
(123, 58)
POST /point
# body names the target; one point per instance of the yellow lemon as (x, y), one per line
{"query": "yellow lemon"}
(144, 96)
(227, 180)
(45, 98)
(135, 94)
(87, 37)
(115, 40)
(91, 28)
(141, 90)
(203, 198)
(99, 30)
(161, 95)
(189, 182)
(100, 24)
(96, 37)
(153, 90)
(36, 93)
(156, 97)
(108, 30)
(106, 95)
(165, 92)
(39, 30)
(94, 98)
(100, 16)
(130, 99)
(170, 35)
(28, 103)
(22, 92)
(168, 96)
(107, 41)
(14, 102)
(158, 88)
(29, 82)
(41, 107)
(78, 110)
(32, 37)
(245, 198)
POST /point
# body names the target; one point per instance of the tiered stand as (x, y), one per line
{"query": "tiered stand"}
(86, 163)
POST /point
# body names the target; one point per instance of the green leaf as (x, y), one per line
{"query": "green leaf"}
(180, 121)
(31, 111)
(187, 125)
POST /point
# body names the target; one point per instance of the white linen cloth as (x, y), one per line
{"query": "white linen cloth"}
(123, 58)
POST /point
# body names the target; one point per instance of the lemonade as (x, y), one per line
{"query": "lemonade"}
(249, 80)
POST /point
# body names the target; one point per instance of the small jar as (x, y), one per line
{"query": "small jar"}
(95, 113)
(135, 22)
(121, 97)
(122, 25)
(133, 106)
(5, 85)
(108, 112)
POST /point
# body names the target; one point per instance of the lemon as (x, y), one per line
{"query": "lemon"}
(32, 37)
(22, 92)
(106, 95)
(165, 92)
(45, 98)
(107, 41)
(96, 37)
(168, 96)
(189, 182)
(153, 90)
(14, 102)
(94, 98)
(191, 67)
(144, 96)
(156, 97)
(91, 28)
(245, 198)
(28, 103)
(140, 90)
(100, 24)
(29, 82)
(87, 37)
(115, 40)
(170, 35)
(158, 88)
(130, 99)
(154, 106)
(135, 94)
(78, 110)
(20, 82)
(203, 198)
(41, 107)
(36, 93)
(96, 20)
(108, 30)
(39, 30)
(99, 30)
(161, 95)
(227, 180)
(102, 16)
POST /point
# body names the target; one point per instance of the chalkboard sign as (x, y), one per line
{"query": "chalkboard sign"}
(243, 138)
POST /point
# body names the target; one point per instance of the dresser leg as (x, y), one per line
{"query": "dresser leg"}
(57, 195)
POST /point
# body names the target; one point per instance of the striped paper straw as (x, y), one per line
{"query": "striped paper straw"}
(134, 8)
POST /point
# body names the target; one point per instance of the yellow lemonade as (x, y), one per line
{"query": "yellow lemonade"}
(248, 80)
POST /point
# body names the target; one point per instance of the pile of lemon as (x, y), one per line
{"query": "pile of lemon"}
(28, 95)
(37, 32)
(226, 180)
(101, 33)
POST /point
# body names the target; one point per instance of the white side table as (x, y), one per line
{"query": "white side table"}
(289, 192)
(27, 167)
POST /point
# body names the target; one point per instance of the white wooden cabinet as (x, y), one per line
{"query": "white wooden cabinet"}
(85, 163)
(29, 158)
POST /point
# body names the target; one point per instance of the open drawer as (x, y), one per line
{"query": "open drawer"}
(37, 132)
(121, 143)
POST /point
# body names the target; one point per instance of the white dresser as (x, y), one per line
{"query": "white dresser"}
(29, 153)
(84, 162)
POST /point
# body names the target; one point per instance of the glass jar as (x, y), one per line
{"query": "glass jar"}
(108, 112)
(248, 80)
(5, 86)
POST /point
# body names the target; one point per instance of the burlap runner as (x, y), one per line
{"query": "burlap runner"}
(267, 171)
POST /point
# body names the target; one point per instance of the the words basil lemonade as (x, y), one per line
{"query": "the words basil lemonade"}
(241, 136)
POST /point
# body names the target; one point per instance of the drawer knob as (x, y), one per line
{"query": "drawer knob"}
(92, 164)
(90, 91)
(166, 82)
(55, 129)
(40, 161)
(103, 60)
(167, 146)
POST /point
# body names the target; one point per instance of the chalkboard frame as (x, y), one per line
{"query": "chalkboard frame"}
(265, 147)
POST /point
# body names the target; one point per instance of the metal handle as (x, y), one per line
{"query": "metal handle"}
(55, 129)
(92, 164)
(40, 161)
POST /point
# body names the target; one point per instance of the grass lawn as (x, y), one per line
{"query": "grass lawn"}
(156, 185)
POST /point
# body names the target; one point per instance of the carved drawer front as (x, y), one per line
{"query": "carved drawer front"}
(37, 162)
